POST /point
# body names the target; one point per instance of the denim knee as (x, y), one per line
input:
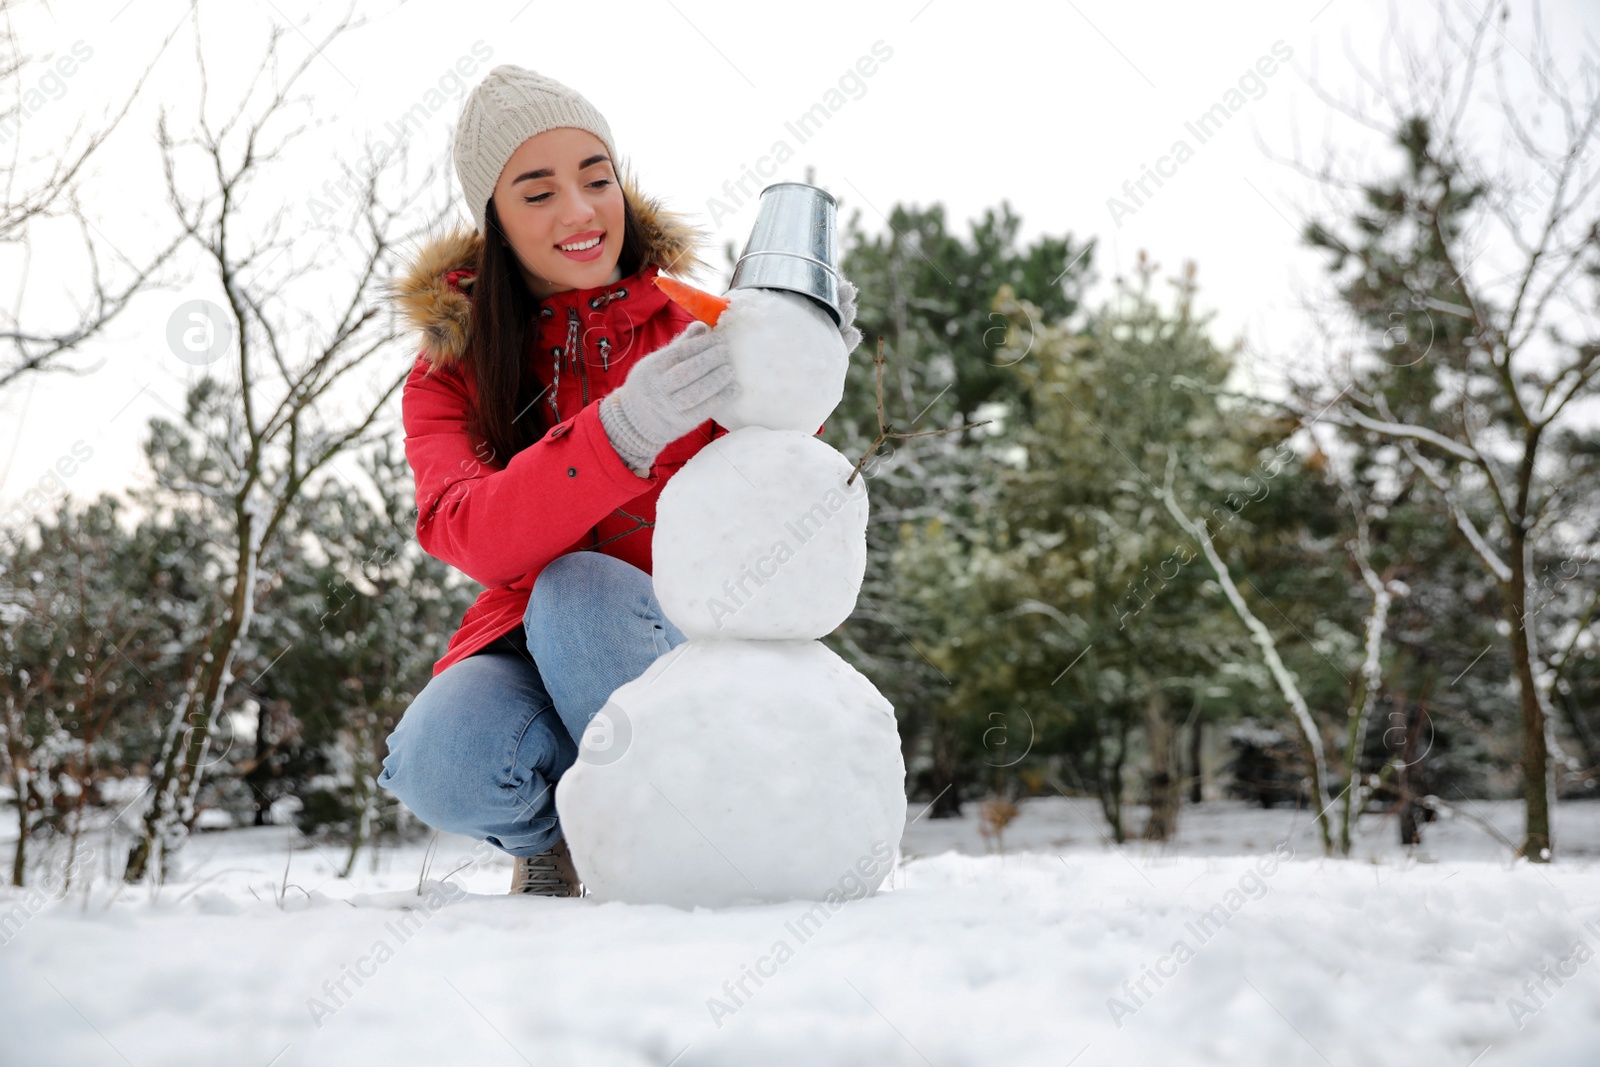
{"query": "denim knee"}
(479, 752)
(567, 584)
(593, 623)
(597, 594)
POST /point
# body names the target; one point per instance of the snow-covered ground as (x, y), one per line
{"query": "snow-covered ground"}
(1065, 950)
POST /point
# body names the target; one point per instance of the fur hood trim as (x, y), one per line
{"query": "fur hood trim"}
(432, 293)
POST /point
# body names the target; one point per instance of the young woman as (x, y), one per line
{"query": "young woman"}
(556, 392)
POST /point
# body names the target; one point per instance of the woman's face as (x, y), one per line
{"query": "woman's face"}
(560, 189)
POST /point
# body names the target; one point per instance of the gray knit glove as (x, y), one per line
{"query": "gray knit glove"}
(666, 394)
(847, 314)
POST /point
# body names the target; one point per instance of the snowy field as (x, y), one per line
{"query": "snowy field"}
(1065, 950)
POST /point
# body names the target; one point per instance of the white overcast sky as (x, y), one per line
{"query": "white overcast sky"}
(1050, 106)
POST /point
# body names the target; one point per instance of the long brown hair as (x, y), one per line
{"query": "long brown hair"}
(511, 414)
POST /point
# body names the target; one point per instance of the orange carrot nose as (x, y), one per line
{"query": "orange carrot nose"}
(697, 302)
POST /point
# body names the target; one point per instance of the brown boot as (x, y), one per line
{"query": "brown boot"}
(549, 874)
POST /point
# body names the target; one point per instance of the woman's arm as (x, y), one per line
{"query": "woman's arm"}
(495, 525)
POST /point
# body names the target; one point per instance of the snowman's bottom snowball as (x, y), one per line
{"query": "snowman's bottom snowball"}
(755, 771)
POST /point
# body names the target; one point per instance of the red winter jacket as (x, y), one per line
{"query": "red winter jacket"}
(569, 491)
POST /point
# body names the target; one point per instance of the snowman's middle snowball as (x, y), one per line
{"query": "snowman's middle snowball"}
(758, 536)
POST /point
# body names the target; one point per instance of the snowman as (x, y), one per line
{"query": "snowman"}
(751, 764)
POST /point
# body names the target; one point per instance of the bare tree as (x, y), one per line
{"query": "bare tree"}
(1310, 733)
(42, 188)
(1499, 273)
(255, 440)
(1384, 589)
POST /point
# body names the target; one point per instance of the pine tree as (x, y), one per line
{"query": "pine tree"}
(928, 293)
(1476, 410)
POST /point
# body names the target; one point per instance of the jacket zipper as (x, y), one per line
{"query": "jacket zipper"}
(575, 350)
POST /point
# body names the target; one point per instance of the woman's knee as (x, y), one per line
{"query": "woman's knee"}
(461, 744)
(575, 581)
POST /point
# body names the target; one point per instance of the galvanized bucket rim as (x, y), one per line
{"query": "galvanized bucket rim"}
(814, 188)
(824, 264)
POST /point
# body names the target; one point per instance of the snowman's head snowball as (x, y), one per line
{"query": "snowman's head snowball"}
(789, 358)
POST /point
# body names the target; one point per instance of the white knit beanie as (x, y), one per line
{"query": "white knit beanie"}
(509, 106)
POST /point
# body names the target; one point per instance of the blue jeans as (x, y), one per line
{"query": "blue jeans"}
(480, 749)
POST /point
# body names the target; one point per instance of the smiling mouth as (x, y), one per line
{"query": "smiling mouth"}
(580, 246)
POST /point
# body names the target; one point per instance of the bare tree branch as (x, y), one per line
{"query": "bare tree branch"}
(27, 202)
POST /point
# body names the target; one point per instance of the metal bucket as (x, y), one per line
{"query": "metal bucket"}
(794, 245)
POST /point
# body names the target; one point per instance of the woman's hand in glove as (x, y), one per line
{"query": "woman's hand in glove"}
(666, 394)
(847, 314)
